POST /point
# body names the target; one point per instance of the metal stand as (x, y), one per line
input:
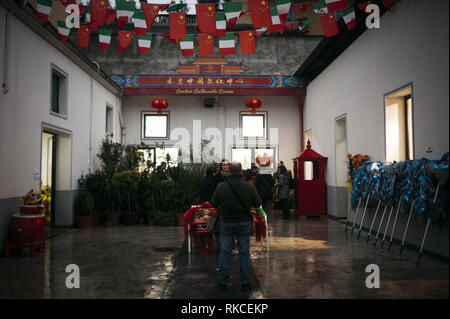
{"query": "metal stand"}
(426, 229)
(348, 216)
(406, 229)
(362, 220)
(356, 215)
(373, 221)
(379, 227)
(395, 222)
(267, 233)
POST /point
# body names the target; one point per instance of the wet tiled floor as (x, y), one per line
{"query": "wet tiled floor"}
(307, 259)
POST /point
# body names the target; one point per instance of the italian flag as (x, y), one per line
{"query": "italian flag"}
(104, 37)
(43, 8)
(63, 31)
(349, 17)
(260, 32)
(144, 43)
(233, 10)
(320, 7)
(283, 7)
(226, 44)
(187, 45)
(140, 25)
(125, 11)
(276, 22)
(221, 24)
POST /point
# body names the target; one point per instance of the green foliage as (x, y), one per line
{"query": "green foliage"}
(125, 184)
(119, 185)
(95, 184)
(84, 203)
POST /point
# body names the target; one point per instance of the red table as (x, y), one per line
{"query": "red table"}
(26, 231)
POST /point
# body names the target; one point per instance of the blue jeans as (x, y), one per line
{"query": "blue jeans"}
(243, 231)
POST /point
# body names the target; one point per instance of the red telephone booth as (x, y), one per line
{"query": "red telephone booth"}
(309, 170)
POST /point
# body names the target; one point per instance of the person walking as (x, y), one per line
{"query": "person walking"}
(208, 185)
(234, 198)
(264, 185)
(282, 185)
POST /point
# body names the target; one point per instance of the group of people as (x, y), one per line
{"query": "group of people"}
(266, 185)
(234, 194)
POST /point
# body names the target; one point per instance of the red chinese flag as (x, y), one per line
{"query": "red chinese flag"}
(177, 25)
(82, 8)
(151, 11)
(247, 41)
(206, 17)
(205, 44)
(124, 40)
(83, 36)
(329, 23)
(260, 13)
(167, 36)
(110, 16)
(99, 11)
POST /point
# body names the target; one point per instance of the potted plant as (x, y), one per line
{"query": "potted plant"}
(126, 186)
(84, 207)
(110, 156)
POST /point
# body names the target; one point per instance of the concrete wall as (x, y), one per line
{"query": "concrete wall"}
(25, 113)
(402, 51)
(274, 55)
(283, 114)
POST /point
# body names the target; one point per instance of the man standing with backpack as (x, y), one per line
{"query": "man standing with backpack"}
(234, 198)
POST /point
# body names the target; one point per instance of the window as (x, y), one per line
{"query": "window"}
(254, 126)
(109, 119)
(155, 126)
(58, 95)
(168, 155)
(399, 133)
(311, 170)
(264, 158)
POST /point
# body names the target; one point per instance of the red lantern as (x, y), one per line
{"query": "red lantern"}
(159, 104)
(253, 104)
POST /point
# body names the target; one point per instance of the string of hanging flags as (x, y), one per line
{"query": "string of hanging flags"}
(99, 14)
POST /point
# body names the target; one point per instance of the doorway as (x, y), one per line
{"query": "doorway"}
(341, 165)
(48, 173)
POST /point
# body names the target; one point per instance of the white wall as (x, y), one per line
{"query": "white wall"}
(283, 113)
(410, 46)
(26, 108)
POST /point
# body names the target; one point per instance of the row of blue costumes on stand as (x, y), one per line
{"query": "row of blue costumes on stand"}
(405, 182)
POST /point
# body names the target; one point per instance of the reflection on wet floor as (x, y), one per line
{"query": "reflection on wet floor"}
(307, 259)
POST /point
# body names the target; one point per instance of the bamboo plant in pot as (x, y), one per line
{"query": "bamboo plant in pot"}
(84, 207)
(126, 186)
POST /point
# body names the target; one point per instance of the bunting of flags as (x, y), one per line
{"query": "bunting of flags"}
(210, 23)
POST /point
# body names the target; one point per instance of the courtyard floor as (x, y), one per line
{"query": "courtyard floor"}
(307, 259)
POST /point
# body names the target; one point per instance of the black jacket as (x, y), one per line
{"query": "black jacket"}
(207, 187)
(264, 185)
(229, 208)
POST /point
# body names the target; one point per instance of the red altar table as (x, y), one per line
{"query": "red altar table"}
(26, 231)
